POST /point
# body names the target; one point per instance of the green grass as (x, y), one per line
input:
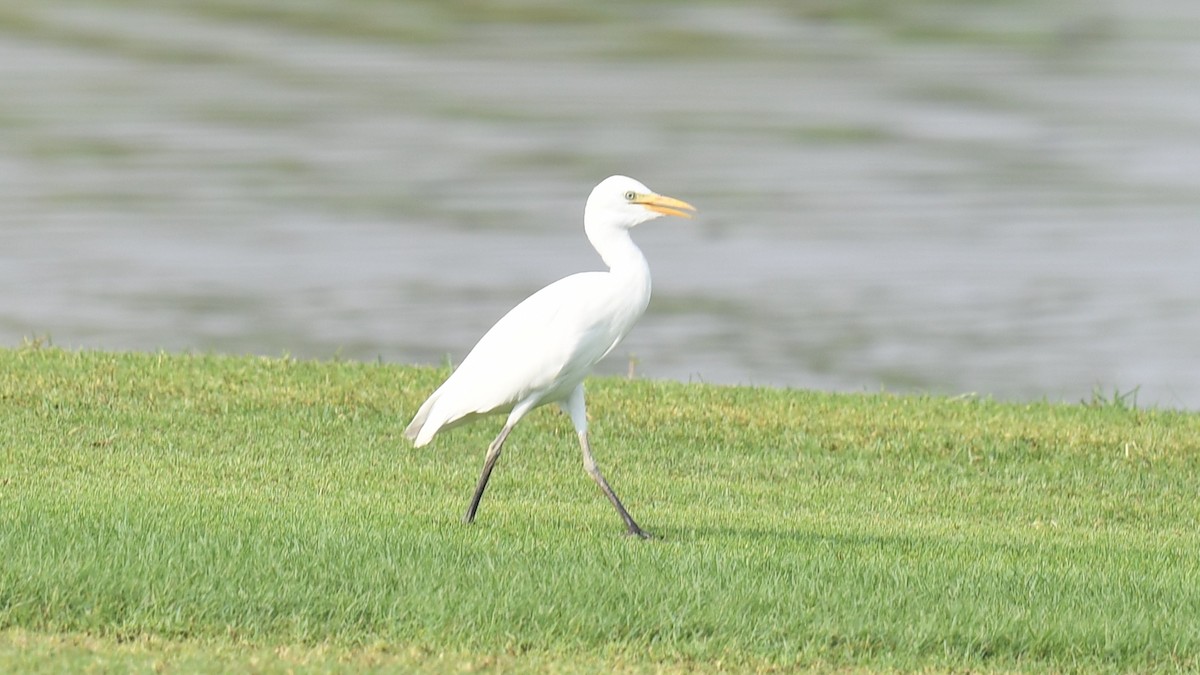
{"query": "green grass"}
(207, 513)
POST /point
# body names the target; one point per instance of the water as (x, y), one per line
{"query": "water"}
(992, 197)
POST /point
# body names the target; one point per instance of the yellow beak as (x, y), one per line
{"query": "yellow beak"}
(668, 206)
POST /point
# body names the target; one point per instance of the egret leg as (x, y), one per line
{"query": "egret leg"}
(493, 454)
(589, 465)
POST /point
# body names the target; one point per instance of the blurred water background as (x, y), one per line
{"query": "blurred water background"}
(994, 197)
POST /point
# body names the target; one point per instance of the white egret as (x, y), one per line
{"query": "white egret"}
(542, 349)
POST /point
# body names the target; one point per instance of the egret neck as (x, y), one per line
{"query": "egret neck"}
(627, 266)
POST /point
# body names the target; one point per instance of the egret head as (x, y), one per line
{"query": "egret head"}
(623, 202)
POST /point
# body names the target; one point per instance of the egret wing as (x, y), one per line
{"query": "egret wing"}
(542, 347)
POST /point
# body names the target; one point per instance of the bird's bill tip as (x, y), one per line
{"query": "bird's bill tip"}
(668, 206)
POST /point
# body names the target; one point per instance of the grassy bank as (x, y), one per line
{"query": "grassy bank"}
(202, 512)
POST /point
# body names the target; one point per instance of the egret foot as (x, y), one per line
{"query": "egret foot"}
(639, 533)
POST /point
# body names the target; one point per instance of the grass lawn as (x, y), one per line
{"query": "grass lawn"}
(205, 513)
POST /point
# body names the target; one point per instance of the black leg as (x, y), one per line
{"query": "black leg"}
(493, 454)
(589, 465)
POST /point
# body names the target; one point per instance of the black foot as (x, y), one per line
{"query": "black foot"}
(639, 533)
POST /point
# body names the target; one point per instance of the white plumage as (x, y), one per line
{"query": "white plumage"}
(543, 348)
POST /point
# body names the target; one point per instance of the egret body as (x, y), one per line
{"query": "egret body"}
(542, 349)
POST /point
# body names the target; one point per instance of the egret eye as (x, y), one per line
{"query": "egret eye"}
(630, 196)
